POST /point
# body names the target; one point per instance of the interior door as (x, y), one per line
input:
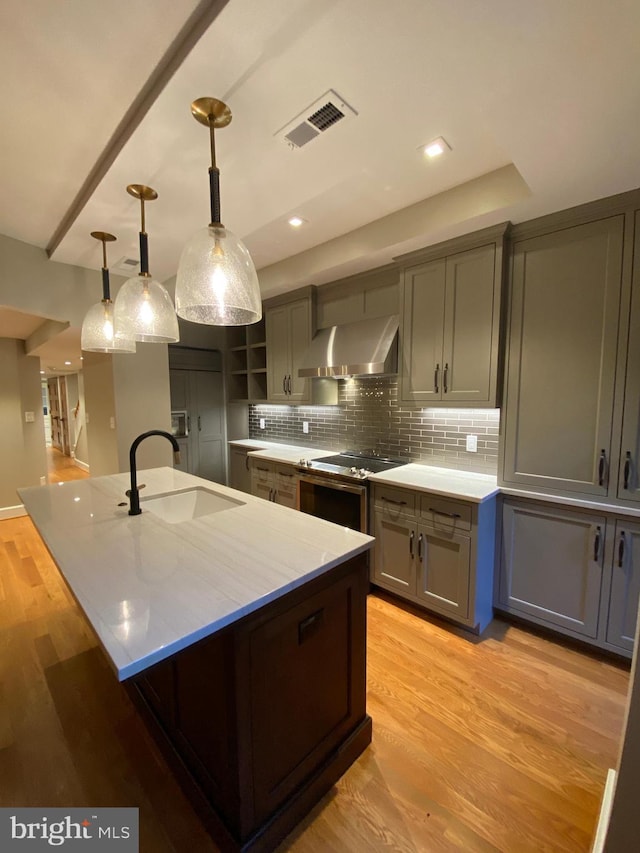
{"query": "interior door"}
(64, 416)
(54, 411)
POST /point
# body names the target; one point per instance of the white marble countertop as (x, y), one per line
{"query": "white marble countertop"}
(149, 588)
(290, 453)
(451, 483)
(251, 443)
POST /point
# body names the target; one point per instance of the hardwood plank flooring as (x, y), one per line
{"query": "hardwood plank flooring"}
(61, 468)
(480, 745)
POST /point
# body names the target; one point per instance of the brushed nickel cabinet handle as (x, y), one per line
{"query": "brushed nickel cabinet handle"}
(445, 378)
(621, 550)
(435, 378)
(395, 503)
(420, 547)
(596, 545)
(411, 538)
(284, 384)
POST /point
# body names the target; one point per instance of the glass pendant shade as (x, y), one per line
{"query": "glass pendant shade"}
(217, 283)
(98, 331)
(144, 312)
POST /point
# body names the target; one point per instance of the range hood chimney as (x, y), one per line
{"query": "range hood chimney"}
(364, 348)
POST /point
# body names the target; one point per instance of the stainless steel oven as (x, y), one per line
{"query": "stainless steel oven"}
(335, 487)
(343, 503)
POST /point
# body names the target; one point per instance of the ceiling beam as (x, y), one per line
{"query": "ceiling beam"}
(198, 22)
(49, 329)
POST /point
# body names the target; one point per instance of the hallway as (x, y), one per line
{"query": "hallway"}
(61, 468)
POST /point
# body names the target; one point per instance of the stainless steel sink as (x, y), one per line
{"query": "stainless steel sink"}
(188, 504)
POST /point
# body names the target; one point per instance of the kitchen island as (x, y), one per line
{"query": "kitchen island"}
(240, 633)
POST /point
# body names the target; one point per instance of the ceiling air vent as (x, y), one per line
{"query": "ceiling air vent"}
(324, 113)
(126, 266)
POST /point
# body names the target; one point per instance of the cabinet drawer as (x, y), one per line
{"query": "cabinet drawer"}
(442, 512)
(395, 502)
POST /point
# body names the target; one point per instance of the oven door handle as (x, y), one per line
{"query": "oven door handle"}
(330, 483)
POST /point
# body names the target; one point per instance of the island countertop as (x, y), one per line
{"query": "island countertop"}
(150, 588)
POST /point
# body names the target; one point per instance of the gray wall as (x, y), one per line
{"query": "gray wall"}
(22, 450)
(368, 415)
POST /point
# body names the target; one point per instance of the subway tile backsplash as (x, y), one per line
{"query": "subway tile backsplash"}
(369, 415)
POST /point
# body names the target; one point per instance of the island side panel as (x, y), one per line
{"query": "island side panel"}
(268, 714)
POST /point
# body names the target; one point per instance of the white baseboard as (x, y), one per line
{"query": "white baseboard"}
(80, 464)
(12, 511)
(605, 812)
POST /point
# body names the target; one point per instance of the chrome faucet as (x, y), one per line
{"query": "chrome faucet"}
(134, 492)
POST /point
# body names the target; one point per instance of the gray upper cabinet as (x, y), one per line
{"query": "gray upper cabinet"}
(563, 334)
(629, 472)
(289, 329)
(451, 325)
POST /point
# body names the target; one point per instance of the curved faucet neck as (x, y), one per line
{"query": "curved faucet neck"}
(134, 495)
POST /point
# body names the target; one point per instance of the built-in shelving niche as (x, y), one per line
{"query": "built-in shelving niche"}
(247, 363)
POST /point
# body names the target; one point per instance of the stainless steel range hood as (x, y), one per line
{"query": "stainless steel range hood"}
(365, 348)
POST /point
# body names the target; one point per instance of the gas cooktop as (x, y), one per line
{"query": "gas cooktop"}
(351, 464)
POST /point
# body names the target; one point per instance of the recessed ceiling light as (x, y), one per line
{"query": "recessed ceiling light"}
(436, 147)
(42, 372)
(67, 363)
(296, 221)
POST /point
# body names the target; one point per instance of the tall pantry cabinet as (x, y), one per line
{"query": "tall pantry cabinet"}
(571, 424)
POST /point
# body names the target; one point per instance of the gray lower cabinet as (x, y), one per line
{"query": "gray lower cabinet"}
(435, 552)
(574, 571)
(239, 471)
(552, 565)
(625, 586)
(562, 349)
(450, 328)
(274, 481)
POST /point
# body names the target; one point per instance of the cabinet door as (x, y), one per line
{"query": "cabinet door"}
(562, 358)
(286, 486)
(262, 480)
(625, 586)
(629, 480)
(422, 330)
(472, 307)
(239, 473)
(394, 554)
(299, 340)
(443, 569)
(278, 360)
(552, 565)
(208, 428)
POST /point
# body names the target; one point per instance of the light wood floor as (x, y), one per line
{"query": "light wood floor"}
(494, 745)
(61, 468)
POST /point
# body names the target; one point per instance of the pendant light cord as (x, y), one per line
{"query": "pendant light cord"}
(106, 294)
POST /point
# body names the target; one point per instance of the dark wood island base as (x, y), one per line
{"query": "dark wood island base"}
(259, 720)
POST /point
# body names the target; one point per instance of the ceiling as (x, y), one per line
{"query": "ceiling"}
(538, 102)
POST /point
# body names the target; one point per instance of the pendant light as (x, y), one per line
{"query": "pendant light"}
(98, 330)
(216, 283)
(143, 308)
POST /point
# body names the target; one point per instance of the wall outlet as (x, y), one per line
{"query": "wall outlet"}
(472, 443)
(29, 417)
(305, 426)
(112, 422)
(263, 423)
